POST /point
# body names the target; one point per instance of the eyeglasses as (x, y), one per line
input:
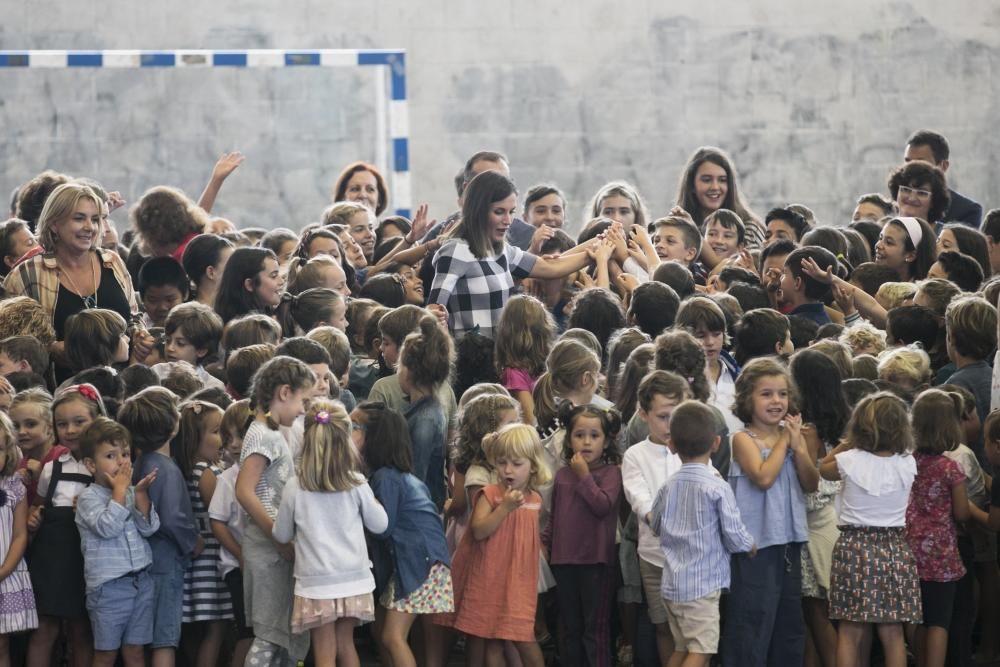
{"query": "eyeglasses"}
(355, 426)
(919, 194)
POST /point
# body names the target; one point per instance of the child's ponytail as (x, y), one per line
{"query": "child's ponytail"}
(329, 460)
(428, 354)
(546, 411)
(275, 373)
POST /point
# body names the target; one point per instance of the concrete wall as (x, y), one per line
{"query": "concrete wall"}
(814, 101)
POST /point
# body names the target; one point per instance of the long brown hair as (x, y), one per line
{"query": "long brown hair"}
(524, 335)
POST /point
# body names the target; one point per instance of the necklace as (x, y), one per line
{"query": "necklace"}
(88, 301)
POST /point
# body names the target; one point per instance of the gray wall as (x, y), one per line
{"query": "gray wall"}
(814, 100)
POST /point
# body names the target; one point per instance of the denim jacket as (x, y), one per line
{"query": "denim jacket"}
(414, 540)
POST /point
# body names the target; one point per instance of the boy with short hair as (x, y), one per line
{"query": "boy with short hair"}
(23, 354)
(803, 293)
(162, 284)
(193, 331)
(646, 467)
(338, 345)
(678, 238)
(700, 528)
(761, 332)
(970, 333)
(242, 364)
(151, 416)
(115, 519)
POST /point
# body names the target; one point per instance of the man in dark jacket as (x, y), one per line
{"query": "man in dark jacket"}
(932, 147)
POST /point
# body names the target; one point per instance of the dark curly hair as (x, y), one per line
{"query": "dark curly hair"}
(918, 174)
(611, 425)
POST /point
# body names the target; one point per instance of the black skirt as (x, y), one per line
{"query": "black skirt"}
(55, 562)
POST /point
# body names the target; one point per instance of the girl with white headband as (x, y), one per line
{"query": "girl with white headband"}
(908, 246)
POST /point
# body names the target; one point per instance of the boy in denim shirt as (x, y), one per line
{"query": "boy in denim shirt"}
(114, 521)
(151, 416)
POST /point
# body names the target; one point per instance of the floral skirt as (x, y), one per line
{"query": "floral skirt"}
(435, 595)
(308, 613)
(874, 577)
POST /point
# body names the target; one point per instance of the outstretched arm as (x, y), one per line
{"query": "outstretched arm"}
(226, 165)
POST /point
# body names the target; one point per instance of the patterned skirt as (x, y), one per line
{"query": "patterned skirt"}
(874, 577)
(308, 613)
(435, 595)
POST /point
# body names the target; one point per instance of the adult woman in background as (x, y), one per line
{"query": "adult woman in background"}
(74, 273)
(920, 190)
(363, 183)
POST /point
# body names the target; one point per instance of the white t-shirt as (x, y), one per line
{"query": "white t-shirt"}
(646, 467)
(66, 492)
(225, 508)
(876, 489)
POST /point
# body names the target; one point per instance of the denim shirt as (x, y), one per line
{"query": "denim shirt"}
(428, 424)
(113, 536)
(414, 540)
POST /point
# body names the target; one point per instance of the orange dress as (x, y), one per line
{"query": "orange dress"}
(496, 579)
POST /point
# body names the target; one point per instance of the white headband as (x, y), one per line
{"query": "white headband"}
(913, 229)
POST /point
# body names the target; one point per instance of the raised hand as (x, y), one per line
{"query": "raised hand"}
(627, 282)
(541, 235)
(226, 165)
(145, 482)
(115, 201)
(811, 269)
(420, 225)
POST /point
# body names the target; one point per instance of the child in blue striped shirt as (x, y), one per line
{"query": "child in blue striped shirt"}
(701, 527)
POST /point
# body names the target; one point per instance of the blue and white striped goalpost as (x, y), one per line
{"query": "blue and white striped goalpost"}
(392, 118)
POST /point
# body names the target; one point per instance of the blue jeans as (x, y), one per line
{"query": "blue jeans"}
(764, 624)
(168, 604)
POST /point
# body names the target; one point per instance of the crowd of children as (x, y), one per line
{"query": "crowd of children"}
(670, 438)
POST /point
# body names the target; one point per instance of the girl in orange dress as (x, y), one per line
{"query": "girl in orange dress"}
(495, 569)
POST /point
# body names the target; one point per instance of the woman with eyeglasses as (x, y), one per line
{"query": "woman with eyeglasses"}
(920, 191)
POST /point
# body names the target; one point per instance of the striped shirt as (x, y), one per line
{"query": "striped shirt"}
(701, 527)
(112, 536)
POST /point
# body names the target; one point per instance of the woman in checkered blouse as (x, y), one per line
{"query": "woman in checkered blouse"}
(475, 269)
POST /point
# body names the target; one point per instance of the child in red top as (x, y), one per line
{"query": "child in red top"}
(938, 499)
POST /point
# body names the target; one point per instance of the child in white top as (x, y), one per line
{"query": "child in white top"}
(646, 467)
(874, 575)
(226, 519)
(333, 579)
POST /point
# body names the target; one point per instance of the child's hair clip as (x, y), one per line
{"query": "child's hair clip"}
(196, 407)
(88, 391)
(322, 417)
